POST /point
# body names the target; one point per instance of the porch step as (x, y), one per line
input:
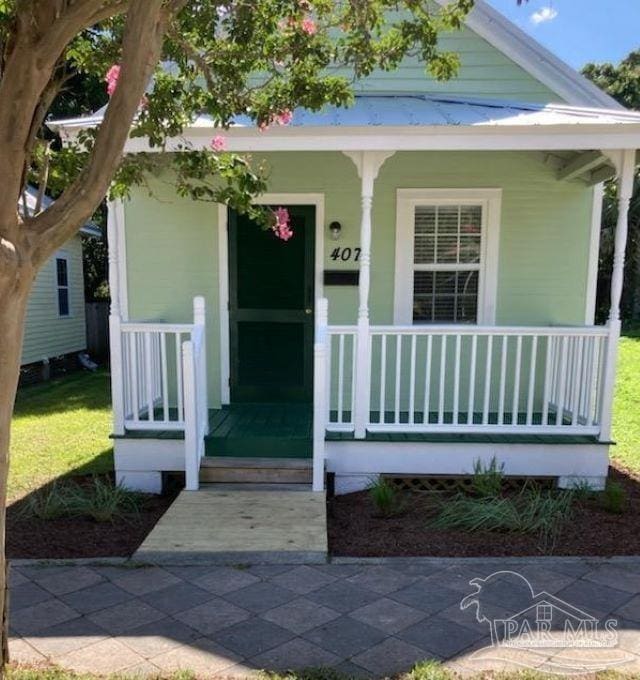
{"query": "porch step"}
(232, 470)
(255, 487)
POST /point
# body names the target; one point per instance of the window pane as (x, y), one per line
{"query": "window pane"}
(445, 297)
(470, 233)
(425, 229)
(63, 301)
(61, 271)
(447, 234)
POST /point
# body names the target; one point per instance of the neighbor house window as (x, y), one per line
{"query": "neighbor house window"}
(446, 256)
(62, 284)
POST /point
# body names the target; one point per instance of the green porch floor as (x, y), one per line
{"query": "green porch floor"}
(285, 431)
(261, 430)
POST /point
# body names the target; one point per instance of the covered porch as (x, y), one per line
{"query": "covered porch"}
(413, 383)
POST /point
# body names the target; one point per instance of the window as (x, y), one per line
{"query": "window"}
(62, 284)
(446, 256)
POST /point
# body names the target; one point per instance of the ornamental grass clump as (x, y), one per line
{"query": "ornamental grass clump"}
(487, 479)
(50, 502)
(103, 501)
(533, 510)
(385, 497)
(99, 500)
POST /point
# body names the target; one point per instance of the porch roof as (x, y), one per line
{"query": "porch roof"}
(413, 122)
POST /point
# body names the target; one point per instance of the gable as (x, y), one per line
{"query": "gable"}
(498, 61)
(485, 72)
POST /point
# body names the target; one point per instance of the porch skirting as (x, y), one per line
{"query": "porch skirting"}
(355, 463)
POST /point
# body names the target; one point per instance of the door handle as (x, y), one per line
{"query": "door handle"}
(308, 311)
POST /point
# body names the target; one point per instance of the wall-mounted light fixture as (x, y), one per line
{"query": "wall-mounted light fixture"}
(335, 229)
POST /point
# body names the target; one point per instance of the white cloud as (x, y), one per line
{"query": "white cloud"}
(543, 15)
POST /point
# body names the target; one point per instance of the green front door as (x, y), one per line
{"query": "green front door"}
(271, 297)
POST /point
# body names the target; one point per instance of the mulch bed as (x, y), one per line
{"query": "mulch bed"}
(356, 531)
(34, 538)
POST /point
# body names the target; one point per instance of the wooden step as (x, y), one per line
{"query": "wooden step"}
(227, 470)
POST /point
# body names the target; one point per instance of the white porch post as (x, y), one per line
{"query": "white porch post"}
(115, 335)
(368, 164)
(626, 172)
(320, 391)
(200, 319)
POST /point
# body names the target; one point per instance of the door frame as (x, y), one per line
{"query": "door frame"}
(313, 199)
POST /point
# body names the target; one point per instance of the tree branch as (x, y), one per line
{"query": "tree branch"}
(145, 27)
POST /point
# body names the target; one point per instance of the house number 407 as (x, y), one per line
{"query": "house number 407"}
(345, 254)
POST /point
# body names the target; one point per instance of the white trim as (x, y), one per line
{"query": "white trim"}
(578, 137)
(406, 201)
(594, 255)
(223, 313)
(535, 59)
(314, 199)
(117, 213)
(362, 459)
(62, 255)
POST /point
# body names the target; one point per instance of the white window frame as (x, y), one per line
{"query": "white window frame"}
(62, 255)
(406, 202)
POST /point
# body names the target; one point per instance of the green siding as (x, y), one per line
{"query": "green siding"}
(544, 239)
(484, 72)
(47, 334)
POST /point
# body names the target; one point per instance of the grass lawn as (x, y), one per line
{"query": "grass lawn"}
(626, 408)
(60, 427)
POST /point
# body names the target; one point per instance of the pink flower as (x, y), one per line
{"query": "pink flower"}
(283, 118)
(308, 26)
(282, 228)
(112, 78)
(263, 126)
(218, 143)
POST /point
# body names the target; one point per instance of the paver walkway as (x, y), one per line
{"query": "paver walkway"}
(363, 619)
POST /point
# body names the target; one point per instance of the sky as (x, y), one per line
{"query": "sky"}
(579, 31)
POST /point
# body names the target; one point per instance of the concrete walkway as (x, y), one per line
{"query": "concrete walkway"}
(236, 526)
(368, 620)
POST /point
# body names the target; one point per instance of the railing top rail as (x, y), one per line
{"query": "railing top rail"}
(337, 330)
(154, 327)
(551, 331)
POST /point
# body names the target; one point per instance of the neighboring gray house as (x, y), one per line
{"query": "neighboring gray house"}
(55, 324)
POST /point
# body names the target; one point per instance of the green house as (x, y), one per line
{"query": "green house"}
(434, 306)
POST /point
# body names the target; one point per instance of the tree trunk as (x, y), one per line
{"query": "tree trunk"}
(14, 292)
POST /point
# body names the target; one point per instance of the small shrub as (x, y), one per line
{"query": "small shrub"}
(104, 501)
(429, 670)
(487, 479)
(614, 498)
(385, 496)
(50, 502)
(582, 490)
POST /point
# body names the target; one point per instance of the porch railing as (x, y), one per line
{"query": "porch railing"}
(159, 378)
(545, 380)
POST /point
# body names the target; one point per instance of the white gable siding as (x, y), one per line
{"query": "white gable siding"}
(46, 333)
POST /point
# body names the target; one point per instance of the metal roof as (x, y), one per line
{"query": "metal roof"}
(31, 199)
(433, 111)
(415, 110)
